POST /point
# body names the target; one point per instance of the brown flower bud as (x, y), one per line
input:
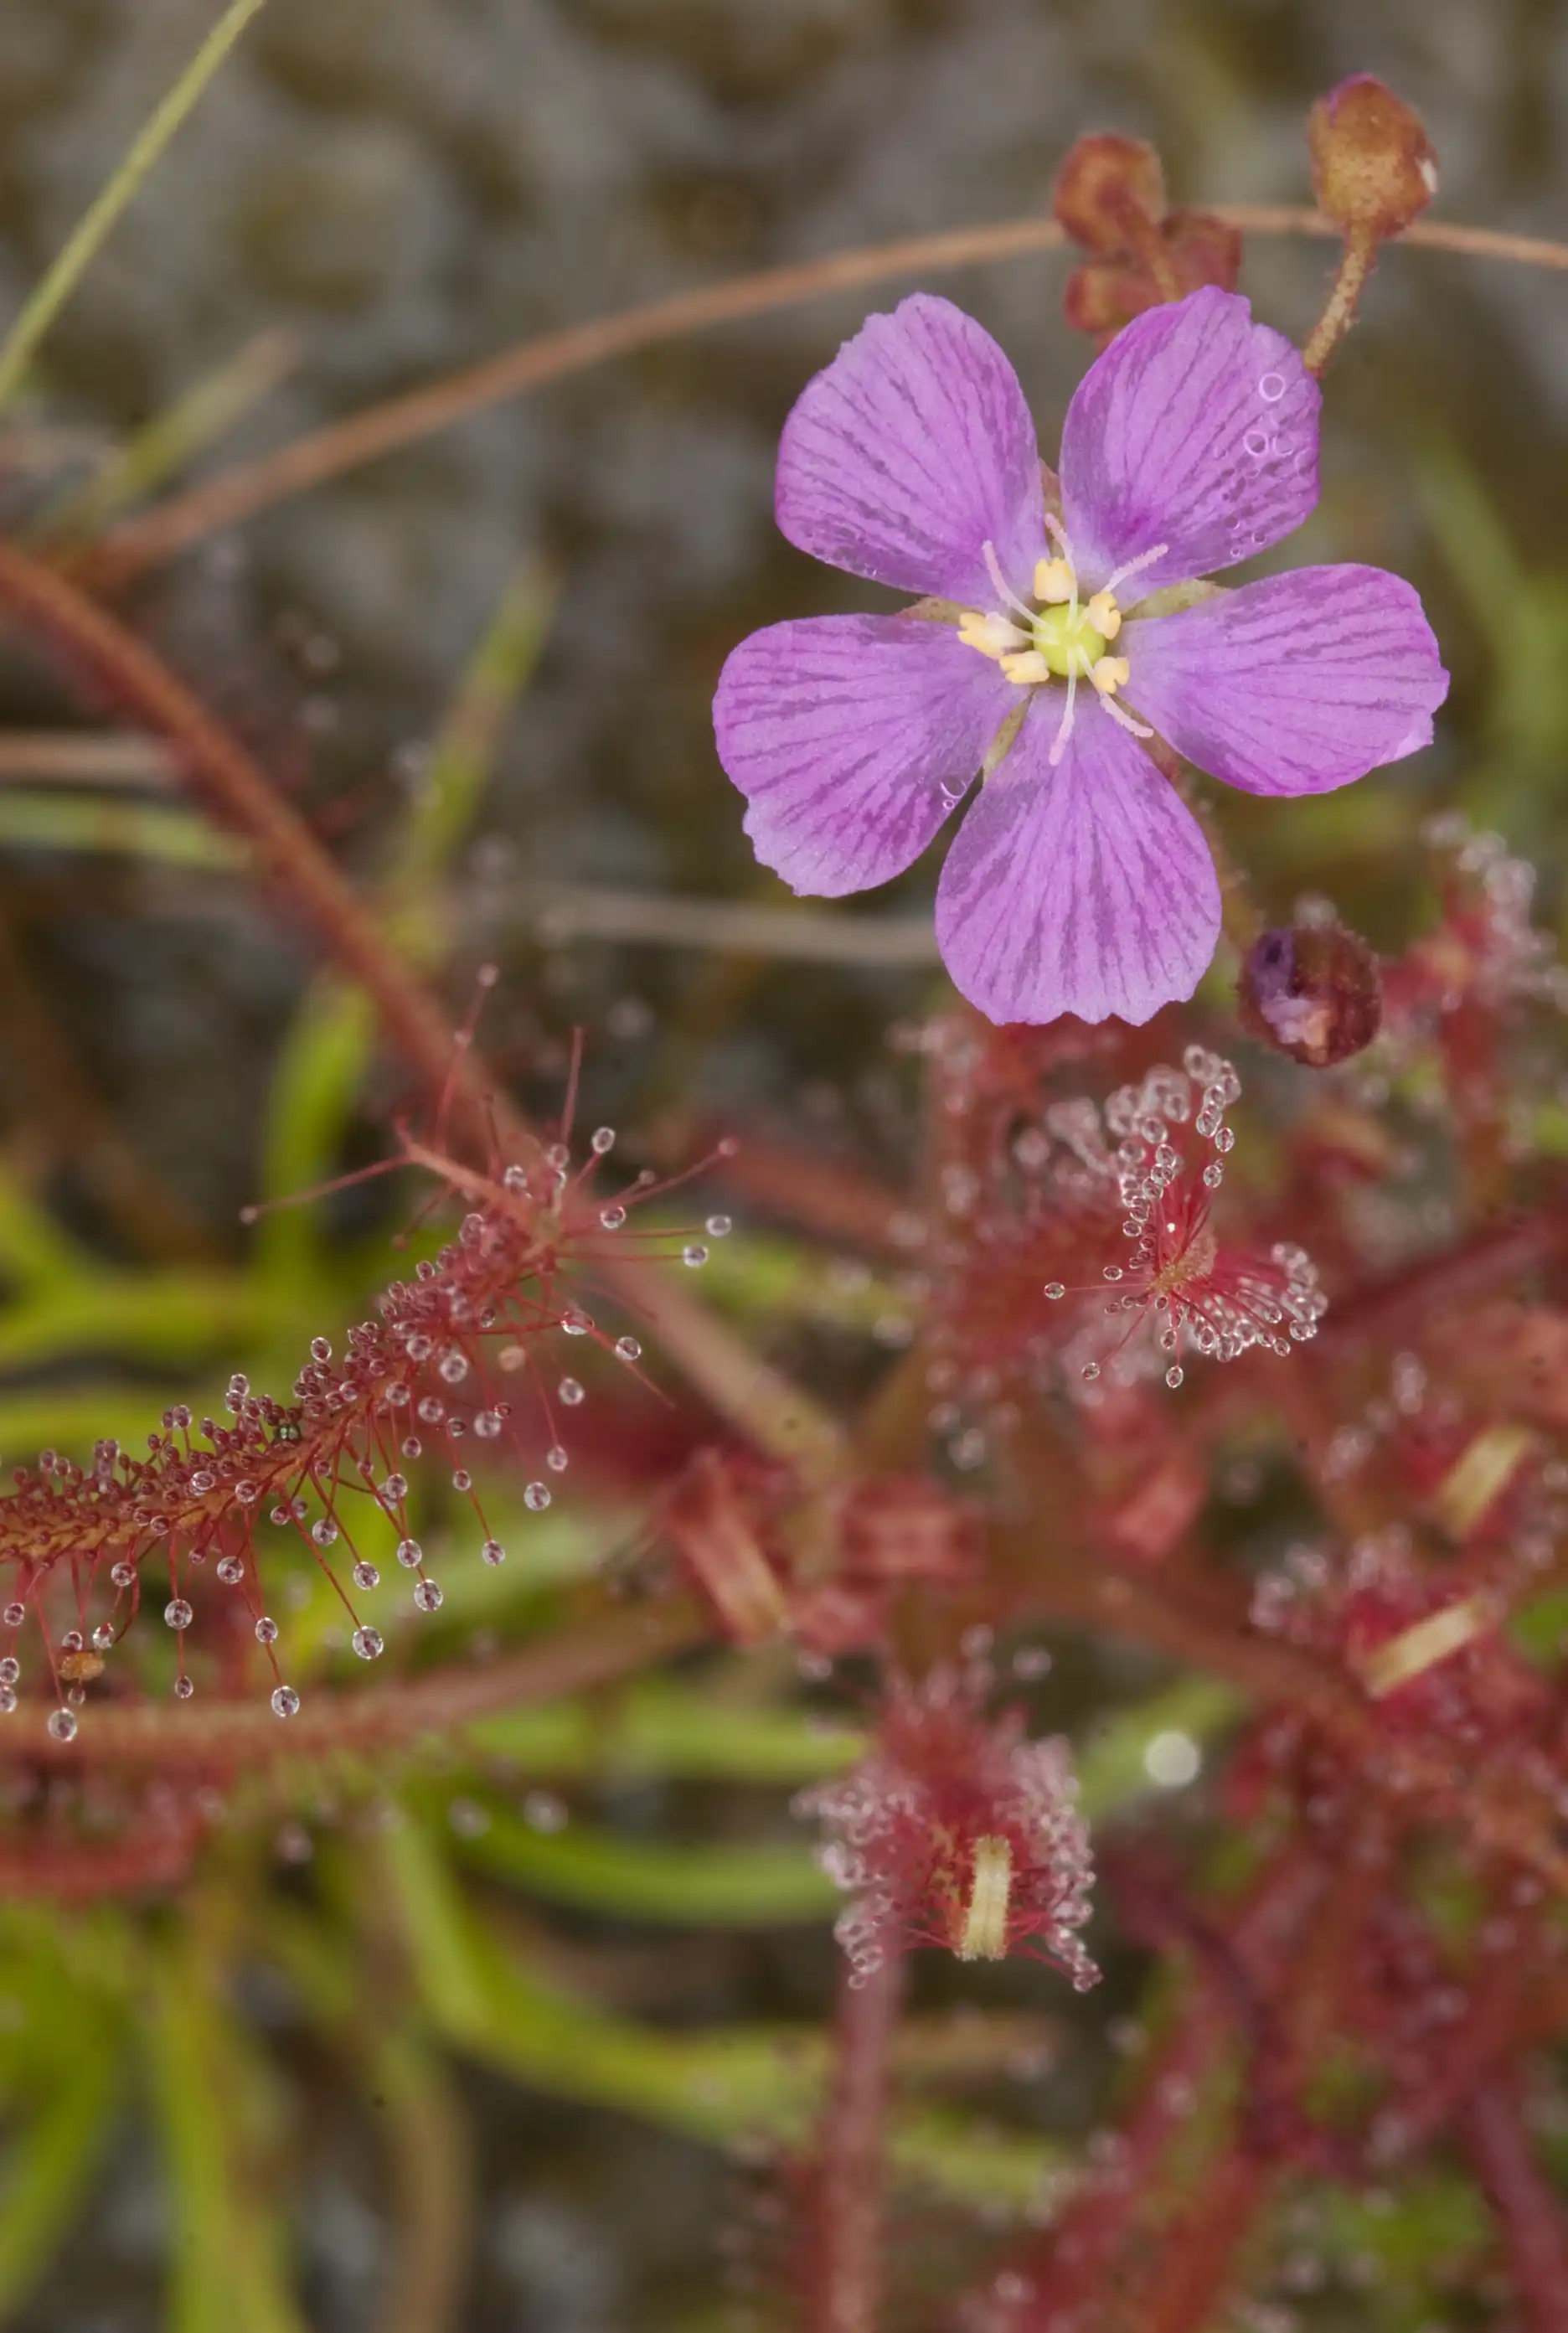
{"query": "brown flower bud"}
(1373, 168)
(1202, 249)
(1105, 189)
(1314, 990)
(1102, 297)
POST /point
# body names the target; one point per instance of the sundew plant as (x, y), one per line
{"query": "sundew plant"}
(1003, 1693)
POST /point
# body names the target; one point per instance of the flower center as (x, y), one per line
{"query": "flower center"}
(1056, 638)
(1069, 641)
(1192, 1260)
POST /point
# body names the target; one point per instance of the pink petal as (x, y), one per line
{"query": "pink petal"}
(1087, 889)
(1292, 686)
(1197, 428)
(910, 452)
(853, 736)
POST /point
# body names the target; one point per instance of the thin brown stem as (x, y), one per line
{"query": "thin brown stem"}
(343, 446)
(847, 2261)
(1356, 264)
(226, 1736)
(62, 620)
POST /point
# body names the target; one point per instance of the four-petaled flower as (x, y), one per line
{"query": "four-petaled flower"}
(1080, 881)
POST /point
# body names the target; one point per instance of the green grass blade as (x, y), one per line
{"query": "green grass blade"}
(39, 311)
(463, 759)
(686, 1884)
(210, 2097)
(50, 2163)
(31, 820)
(172, 439)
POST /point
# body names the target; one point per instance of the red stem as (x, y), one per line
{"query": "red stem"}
(1529, 2212)
(847, 2261)
(226, 1736)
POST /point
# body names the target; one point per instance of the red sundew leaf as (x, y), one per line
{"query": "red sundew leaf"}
(444, 1360)
(958, 1832)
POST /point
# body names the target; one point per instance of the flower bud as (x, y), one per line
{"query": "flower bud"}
(1314, 990)
(1373, 168)
(1106, 188)
(1202, 250)
(1102, 297)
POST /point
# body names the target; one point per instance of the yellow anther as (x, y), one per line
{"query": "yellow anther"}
(1111, 674)
(1025, 670)
(992, 635)
(984, 1933)
(1053, 581)
(1422, 1646)
(1103, 614)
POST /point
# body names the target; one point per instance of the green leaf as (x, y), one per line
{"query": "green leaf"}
(155, 1318)
(661, 1726)
(51, 2160)
(35, 1253)
(724, 2086)
(214, 2107)
(133, 829)
(465, 751)
(685, 1883)
(1112, 1771)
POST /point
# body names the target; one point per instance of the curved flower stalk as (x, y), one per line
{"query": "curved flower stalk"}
(476, 1344)
(1063, 631)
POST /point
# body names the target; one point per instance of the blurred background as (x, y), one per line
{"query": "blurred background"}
(375, 191)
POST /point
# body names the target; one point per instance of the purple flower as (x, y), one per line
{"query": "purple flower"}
(1079, 882)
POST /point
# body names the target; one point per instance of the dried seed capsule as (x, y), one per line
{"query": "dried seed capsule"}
(1312, 991)
(1373, 168)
